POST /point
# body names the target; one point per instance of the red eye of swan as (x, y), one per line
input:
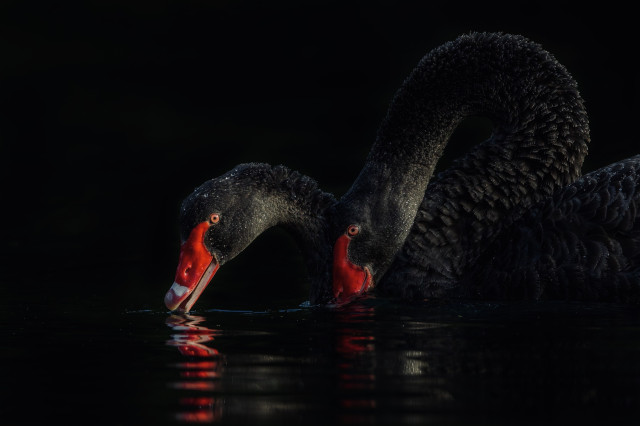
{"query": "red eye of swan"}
(353, 230)
(214, 218)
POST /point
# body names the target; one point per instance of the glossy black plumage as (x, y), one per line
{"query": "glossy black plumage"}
(581, 244)
(516, 227)
(506, 220)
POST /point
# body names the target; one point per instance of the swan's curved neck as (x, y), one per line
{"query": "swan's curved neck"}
(298, 206)
(533, 102)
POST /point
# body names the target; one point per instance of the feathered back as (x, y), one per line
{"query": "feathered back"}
(581, 244)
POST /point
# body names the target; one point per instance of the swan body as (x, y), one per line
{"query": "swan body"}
(510, 219)
(583, 243)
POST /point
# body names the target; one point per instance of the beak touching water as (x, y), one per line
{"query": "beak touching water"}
(349, 279)
(196, 267)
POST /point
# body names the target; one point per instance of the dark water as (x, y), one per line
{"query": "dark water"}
(374, 362)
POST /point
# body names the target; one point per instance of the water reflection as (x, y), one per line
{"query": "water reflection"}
(391, 365)
(355, 348)
(201, 371)
(382, 363)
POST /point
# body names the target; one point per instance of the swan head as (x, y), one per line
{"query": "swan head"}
(368, 227)
(218, 220)
(224, 215)
(361, 254)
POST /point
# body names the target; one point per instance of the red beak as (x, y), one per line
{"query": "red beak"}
(349, 279)
(196, 267)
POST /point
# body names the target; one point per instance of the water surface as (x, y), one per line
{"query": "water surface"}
(373, 362)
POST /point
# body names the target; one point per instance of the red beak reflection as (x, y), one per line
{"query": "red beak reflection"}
(200, 371)
(196, 267)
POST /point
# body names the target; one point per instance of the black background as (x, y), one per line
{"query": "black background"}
(112, 112)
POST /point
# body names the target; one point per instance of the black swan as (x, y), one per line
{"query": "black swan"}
(224, 215)
(458, 236)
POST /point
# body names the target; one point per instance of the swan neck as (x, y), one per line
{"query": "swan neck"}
(539, 123)
(505, 78)
(299, 206)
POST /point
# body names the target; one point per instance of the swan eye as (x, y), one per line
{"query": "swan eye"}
(214, 218)
(353, 230)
